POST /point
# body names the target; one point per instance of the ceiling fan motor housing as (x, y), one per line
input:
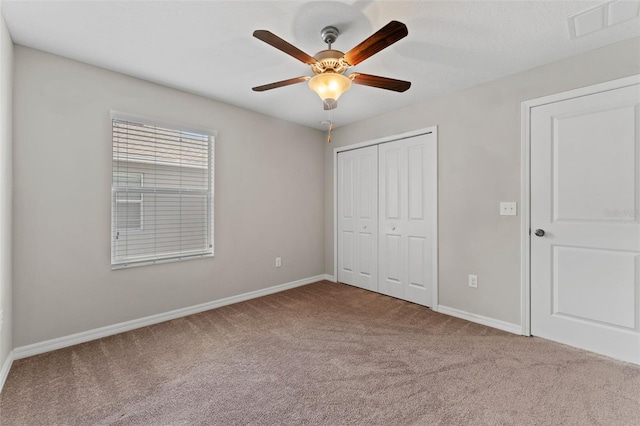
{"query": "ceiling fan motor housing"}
(329, 61)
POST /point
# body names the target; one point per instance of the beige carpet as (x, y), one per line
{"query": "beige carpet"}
(320, 354)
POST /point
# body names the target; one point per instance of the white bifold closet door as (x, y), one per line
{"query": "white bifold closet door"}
(407, 218)
(358, 217)
(387, 209)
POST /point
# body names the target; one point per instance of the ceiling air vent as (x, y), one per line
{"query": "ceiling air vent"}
(602, 16)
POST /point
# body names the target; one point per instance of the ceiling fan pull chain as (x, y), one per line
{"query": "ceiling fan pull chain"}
(330, 126)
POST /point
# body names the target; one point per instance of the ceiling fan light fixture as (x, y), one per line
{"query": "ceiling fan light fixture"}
(329, 86)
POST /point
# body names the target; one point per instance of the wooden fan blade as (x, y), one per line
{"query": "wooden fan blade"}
(380, 82)
(280, 84)
(280, 44)
(385, 37)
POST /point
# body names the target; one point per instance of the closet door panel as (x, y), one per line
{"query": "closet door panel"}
(358, 217)
(407, 218)
(367, 217)
(420, 159)
(390, 170)
(391, 265)
(392, 210)
(416, 181)
(416, 262)
(346, 219)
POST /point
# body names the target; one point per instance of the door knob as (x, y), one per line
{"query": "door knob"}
(364, 226)
(539, 232)
(393, 228)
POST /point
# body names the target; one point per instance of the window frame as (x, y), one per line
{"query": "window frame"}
(147, 121)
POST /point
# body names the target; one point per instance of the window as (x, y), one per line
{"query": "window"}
(161, 193)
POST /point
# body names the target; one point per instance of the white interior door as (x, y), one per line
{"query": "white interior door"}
(585, 196)
(407, 212)
(358, 217)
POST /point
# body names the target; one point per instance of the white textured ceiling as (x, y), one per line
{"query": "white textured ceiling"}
(206, 47)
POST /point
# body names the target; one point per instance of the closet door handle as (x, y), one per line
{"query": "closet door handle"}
(393, 228)
(364, 226)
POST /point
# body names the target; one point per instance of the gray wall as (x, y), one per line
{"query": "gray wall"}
(6, 84)
(268, 195)
(479, 166)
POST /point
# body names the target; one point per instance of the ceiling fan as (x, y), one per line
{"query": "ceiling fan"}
(330, 65)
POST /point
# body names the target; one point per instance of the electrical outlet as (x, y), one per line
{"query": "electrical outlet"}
(473, 281)
(508, 208)
(278, 262)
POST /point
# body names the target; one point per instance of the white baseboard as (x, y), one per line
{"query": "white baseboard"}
(98, 333)
(5, 370)
(479, 319)
(330, 278)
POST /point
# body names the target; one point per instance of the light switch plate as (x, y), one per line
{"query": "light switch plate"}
(508, 208)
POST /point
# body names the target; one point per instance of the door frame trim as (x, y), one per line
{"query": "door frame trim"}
(391, 138)
(525, 197)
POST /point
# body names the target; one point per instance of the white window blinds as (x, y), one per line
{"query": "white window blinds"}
(161, 194)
